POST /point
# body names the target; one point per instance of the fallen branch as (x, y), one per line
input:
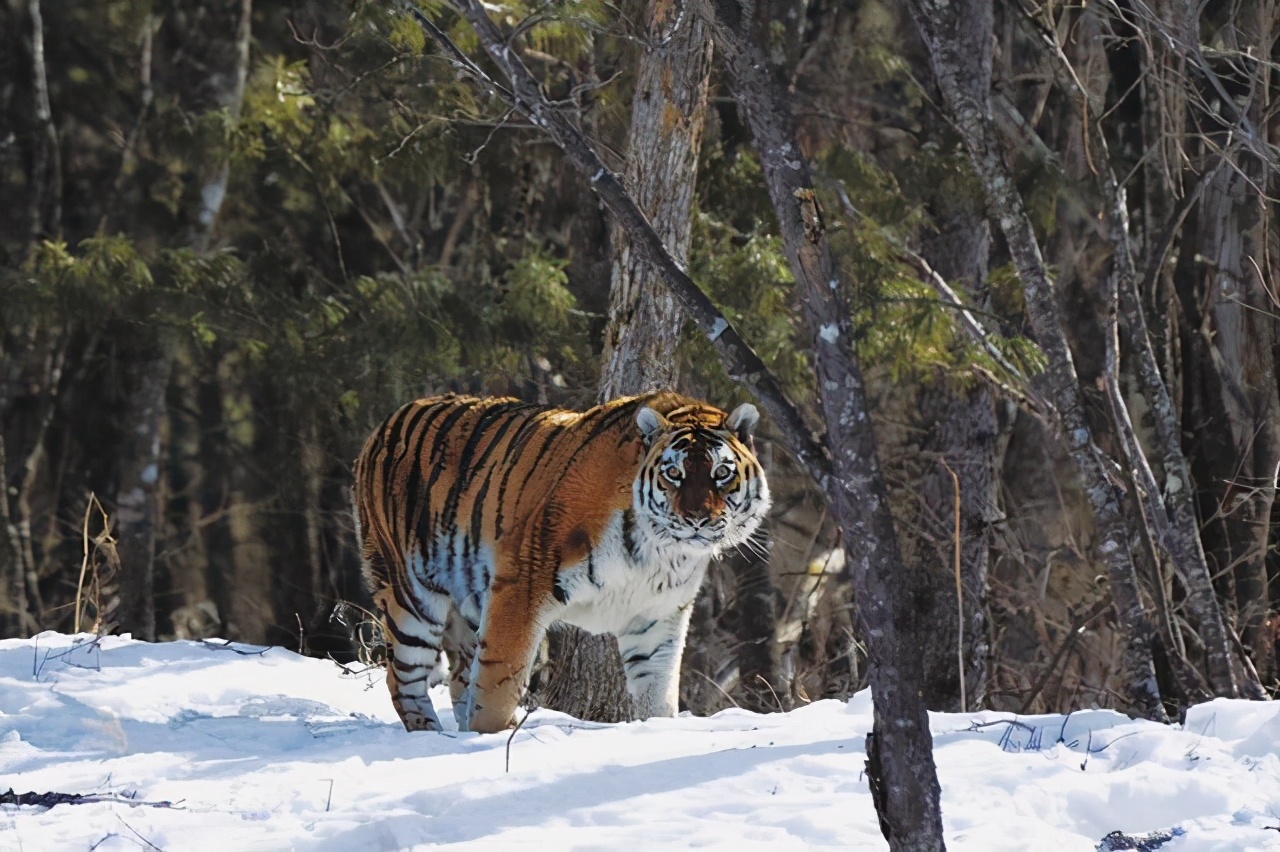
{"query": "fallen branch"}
(50, 799)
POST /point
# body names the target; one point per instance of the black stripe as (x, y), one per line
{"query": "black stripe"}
(629, 532)
(409, 639)
(611, 419)
(559, 591)
(642, 630)
(483, 463)
(463, 466)
(412, 605)
(409, 681)
(426, 519)
(552, 433)
(637, 658)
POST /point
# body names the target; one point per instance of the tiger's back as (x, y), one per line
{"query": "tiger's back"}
(481, 521)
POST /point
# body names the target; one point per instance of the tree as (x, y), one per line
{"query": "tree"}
(668, 113)
(963, 435)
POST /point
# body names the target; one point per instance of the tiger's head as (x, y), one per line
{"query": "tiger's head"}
(700, 487)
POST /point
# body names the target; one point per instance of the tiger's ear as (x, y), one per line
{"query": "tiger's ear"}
(743, 422)
(651, 423)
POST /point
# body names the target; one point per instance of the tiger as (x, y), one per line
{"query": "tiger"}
(483, 521)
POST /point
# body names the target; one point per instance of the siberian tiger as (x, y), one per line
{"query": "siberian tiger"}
(483, 521)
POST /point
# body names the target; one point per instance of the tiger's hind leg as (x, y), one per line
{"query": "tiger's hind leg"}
(460, 645)
(413, 634)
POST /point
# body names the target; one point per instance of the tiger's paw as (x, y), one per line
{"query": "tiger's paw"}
(418, 722)
(415, 718)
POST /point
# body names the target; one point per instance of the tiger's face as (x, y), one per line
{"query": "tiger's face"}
(700, 487)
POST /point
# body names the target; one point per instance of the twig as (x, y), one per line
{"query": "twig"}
(226, 645)
(773, 692)
(84, 562)
(515, 731)
(955, 482)
(136, 834)
(1077, 624)
(968, 322)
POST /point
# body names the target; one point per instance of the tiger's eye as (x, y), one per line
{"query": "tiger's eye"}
(672, 473)
(722, 472)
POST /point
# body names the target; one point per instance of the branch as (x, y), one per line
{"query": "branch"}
(525, 95)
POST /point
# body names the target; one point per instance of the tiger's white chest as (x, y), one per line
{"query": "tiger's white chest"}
(619, 583)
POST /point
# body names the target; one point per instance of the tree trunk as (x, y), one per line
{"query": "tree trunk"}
(137, 500)
(902, 776)
(667, 116)
(15, 613)
(755, 611)
(942, 25)
(1238, 355)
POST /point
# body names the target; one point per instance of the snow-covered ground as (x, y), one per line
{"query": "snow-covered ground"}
(190, 746)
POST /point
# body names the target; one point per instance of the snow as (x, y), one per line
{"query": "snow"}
(230, 747)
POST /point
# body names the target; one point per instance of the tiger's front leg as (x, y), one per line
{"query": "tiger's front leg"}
(506, 643)
(651, 650)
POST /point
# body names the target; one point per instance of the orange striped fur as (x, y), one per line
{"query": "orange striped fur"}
(482, 521)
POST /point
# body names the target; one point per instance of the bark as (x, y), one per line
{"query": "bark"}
(755, 610)
(45, 203)
(1238, 222)
(900, 750)
(15, 615)
(215, 496)
(1240, 339)
(941, 25)
(667, 117)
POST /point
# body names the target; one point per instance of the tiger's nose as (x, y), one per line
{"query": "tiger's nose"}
(709, 512)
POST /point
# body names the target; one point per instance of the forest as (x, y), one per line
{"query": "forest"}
(1001, 274)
